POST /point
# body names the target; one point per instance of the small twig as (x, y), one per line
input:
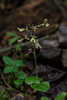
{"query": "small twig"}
(22, 44)
(13, 47)
(2, 76)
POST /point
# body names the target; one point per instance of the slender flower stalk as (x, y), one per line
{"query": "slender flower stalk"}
(36, 64)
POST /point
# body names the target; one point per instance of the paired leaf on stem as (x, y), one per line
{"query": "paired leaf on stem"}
(40, 86)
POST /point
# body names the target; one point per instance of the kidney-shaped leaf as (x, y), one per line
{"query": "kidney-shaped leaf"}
(32, 79)
(18, 82)
(43, 86)
(20, 75)
(9, 69)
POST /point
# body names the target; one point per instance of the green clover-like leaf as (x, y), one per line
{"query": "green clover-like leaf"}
(32, 79)
(9, 61)
(19, 63)
(18, 82)
(9, 69)
(20, 75)
(42, 86)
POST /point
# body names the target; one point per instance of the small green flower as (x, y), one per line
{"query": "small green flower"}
(34, 28)
(37, 44)
(33, 39)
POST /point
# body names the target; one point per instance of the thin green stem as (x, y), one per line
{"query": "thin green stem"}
(35, 64)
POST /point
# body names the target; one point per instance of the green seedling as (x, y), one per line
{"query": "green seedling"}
(4, 95)
(45, 98)
(18, 46)
(60, 96)
(14, 39)
(12, 67)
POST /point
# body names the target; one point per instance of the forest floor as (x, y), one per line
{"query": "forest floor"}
(51, 58)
